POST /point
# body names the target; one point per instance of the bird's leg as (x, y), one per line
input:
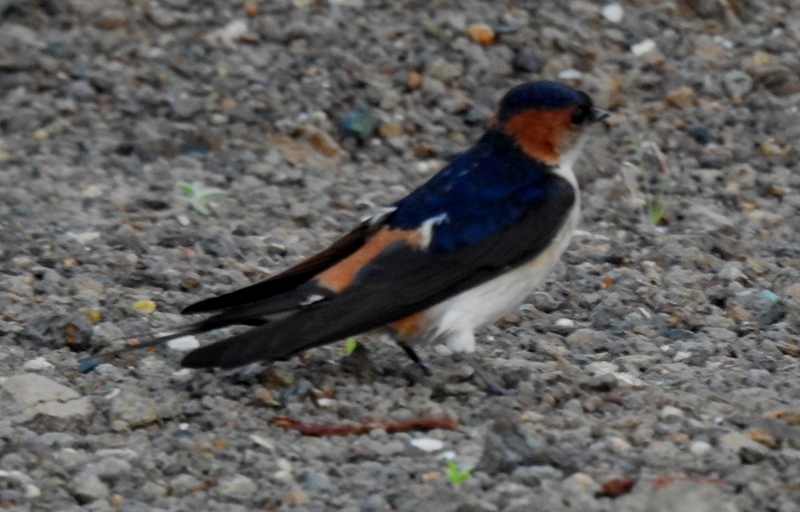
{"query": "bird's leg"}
(490, 382)
(415, 357)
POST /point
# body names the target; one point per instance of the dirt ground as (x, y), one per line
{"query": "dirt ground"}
(656, 370)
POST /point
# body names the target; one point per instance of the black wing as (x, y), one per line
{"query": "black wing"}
(399, 281)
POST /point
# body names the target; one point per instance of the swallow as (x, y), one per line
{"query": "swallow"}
(460, 251)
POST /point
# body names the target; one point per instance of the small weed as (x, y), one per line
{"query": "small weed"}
(350, 345)
(649, 179)
(455, 474)
(197, 195)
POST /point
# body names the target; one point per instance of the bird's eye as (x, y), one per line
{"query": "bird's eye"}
(581, 114)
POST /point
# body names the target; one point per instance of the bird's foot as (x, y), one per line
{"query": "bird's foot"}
(426, 370)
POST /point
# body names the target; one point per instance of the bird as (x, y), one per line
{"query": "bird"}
(461, 251)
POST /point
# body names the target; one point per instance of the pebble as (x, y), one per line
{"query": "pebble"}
(295, 497)
(184, 343)
(613, 12)
(87, 487)
(700, 447)
(45, 396)
(644, 47)
(133, 410)
(238, 487)
(427, 444)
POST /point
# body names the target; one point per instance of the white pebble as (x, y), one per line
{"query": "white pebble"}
(427, 444)
(40, 363)
(681, 355)
(570, 74)
(613, 12)
(263, 442)
(183, 220)
(644, 47)
(86, 237)
(565, 322)
(325, 402)
(699, 447)
(184, 343)
(669, 410)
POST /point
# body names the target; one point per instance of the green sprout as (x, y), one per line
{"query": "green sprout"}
(350, 345)
(651, 181)
(455, 474)
(197, 195)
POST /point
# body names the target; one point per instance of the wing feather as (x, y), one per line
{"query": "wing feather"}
(401, 280)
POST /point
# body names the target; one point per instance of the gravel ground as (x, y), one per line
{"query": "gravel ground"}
(661, 354)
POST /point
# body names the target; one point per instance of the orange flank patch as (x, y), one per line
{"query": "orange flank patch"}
(539, 132)
(341, 275)
(409, 325)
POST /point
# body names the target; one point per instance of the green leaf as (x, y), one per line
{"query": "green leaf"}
(351, 345)
(457, 475)
(198, 195)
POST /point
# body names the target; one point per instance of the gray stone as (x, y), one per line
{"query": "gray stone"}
(133, 409)
(237, 487)
(44, 396)
(87, 487)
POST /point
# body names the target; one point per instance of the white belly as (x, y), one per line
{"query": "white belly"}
(454, 321)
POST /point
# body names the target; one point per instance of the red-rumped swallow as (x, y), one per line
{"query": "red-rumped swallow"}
(460, 251)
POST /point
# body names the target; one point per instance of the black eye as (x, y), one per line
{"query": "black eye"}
(581, 114)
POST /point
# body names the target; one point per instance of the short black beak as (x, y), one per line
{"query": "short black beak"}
(599, 114)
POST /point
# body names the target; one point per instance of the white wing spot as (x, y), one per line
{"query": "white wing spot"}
(311, 299)
(426, 229)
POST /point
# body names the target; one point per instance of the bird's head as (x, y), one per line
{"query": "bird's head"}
(547, 119)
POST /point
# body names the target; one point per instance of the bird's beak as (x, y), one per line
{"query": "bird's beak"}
(599, 114)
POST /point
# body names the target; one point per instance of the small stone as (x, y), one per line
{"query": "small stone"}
(580, 486)
(87, 488)
(133, 409)
(570, 74)
(481, 33)
(30, 490)
(389, 130)
(681, 97)
(528, 59)
(238, 487)
(40, 363)
(44, 396)
(295, 496)
(533, 476)
(427, 444)
(700, 134)
(670, 410)
(699, 447)
(644, 47)
(145, 306)
(323, 143)
(619, 445)
(317, 482)
(445, 70)
(762, 437)
(613, 12)
(361, 122)
(742, 445)
(414, 80)
(184, 343)
(737, 83)
(182, 485)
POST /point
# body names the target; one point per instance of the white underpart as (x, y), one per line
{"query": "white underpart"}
(454, 321)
